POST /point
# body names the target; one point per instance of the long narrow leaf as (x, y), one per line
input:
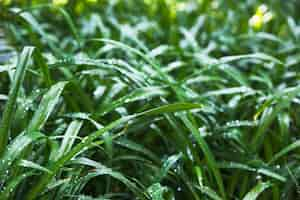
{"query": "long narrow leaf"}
(8, 113)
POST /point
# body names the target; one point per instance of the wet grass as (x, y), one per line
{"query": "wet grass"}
(152, 99)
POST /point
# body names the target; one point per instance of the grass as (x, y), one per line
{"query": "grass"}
(150, 99)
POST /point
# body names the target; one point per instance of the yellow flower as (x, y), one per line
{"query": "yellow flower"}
(261, 17)
(262, 9)
(256, 21)
(59, 2)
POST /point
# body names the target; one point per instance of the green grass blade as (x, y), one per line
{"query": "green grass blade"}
(88, 140)
(136, 95)
(6, 193)
(100, 169)
(263, 171)
(285, 151)
(260, 56)
(257, 190)
(209, 192)
(32, 165)
(167, 165)
(283, 100)
(41, 63)
(47, 105)
(69, 138)
(15, 149)
(7, 115)
(31, 20)
(175, 107)
(70, 24)
(207, 153)
(126, 143)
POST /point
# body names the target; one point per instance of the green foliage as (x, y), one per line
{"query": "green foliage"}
(149, 99)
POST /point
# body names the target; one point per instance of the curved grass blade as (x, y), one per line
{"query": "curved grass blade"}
(205, 189)
(257, 190)
(207, 152)
(138, 94)
(138, 148)
(70, 24)
(48, 102)
(230, 91)
(175, 107)
(181, 96)
(263, 171)
(7, 116)
(209, 192)
(283, 100)
(15, 149)
(31, 20)
(88, 140)
(235, 74)
(167, 165)
(285, 151)
(64, 13)
(262, 36)
(100, 169)
(12, 185)
(32, 165)
(260, 56)
(41, 63)
(69, 138)
(83, 116)
(137, 52)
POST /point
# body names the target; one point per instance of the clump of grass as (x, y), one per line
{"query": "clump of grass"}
(149, 99)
